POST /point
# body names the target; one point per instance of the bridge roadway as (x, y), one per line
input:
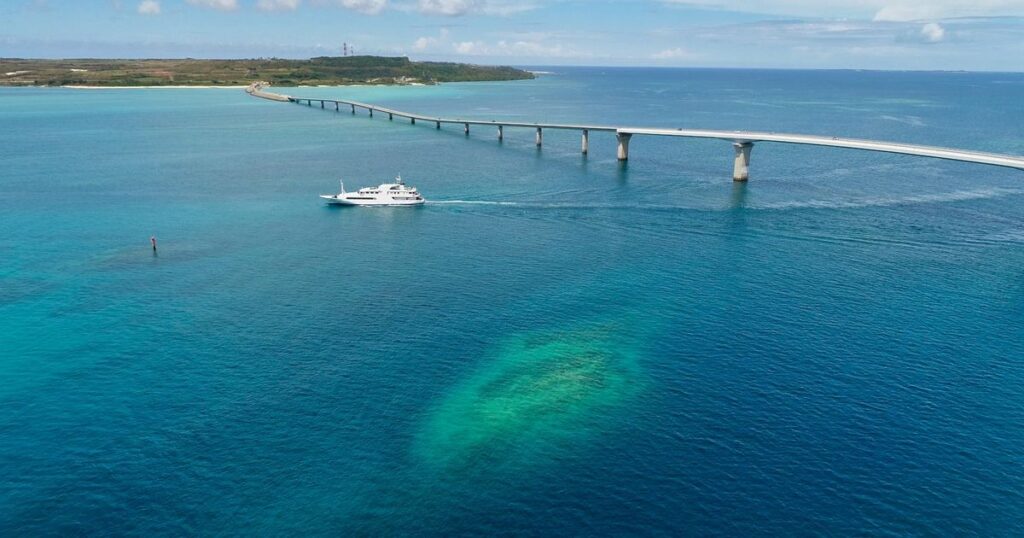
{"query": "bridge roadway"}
(742, 141)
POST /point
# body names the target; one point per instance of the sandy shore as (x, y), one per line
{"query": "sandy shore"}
(184, 87)
(180, 87)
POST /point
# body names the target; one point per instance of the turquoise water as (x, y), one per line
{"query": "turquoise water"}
(556, 344)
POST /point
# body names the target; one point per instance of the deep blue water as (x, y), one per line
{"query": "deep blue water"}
(559, 345)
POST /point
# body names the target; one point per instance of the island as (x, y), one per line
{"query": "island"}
(324, 70)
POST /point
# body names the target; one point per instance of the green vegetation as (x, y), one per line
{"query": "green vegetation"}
(189, 72)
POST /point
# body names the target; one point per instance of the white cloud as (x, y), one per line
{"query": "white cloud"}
(278, 5)
(220, 5)
(427, 42)
(455, 8)
(149, 7)
(880, 10)
(933, 32)
(424, 43)
(368, 7)
(522, 49)
(531, 48)
(830, 37)
(673, 54)
(469, 47)
(447, 7)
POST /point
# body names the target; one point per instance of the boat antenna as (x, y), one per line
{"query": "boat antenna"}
(398, 178)
(342, 181)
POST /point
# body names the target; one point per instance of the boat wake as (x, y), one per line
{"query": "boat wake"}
(849, 203)
(468, 202)
(554, 205)
(937, 198)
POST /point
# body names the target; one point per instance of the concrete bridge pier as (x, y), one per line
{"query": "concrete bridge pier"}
(412, 121)
(741, 167)
(623, 151)
(309, 102)
(540, 136)
(391, 116)
(467, 128)
(438, 124)
(586, 141)
(501, 133)
(336, 106)
(353, 109)
(321, 104)
(371, 112)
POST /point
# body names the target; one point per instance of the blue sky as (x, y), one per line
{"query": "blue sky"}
(868, 34)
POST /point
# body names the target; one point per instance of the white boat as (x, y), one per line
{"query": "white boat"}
(388, 194)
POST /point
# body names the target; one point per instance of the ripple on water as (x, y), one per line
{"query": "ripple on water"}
(536, 392)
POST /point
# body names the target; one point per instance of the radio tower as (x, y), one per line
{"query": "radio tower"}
(344, 49)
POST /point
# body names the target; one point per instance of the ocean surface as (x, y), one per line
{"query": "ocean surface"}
(554, 345)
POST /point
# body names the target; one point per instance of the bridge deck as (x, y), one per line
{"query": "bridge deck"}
(737, 137)
(851, 143)
(462, 121)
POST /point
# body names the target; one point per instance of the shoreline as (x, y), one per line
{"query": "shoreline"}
(210, 87)
(231, 87)
(168, 87)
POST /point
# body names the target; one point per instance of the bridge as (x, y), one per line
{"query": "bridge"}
(742, 141)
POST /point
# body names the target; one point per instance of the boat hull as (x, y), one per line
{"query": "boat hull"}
(336, 200)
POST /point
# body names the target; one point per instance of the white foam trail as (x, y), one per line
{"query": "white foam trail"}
(1009, 236)
(937, 198)
(470, 202)
(955, 196)
(552, 205)
(913, 121)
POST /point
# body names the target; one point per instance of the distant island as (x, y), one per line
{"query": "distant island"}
(324, 70)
